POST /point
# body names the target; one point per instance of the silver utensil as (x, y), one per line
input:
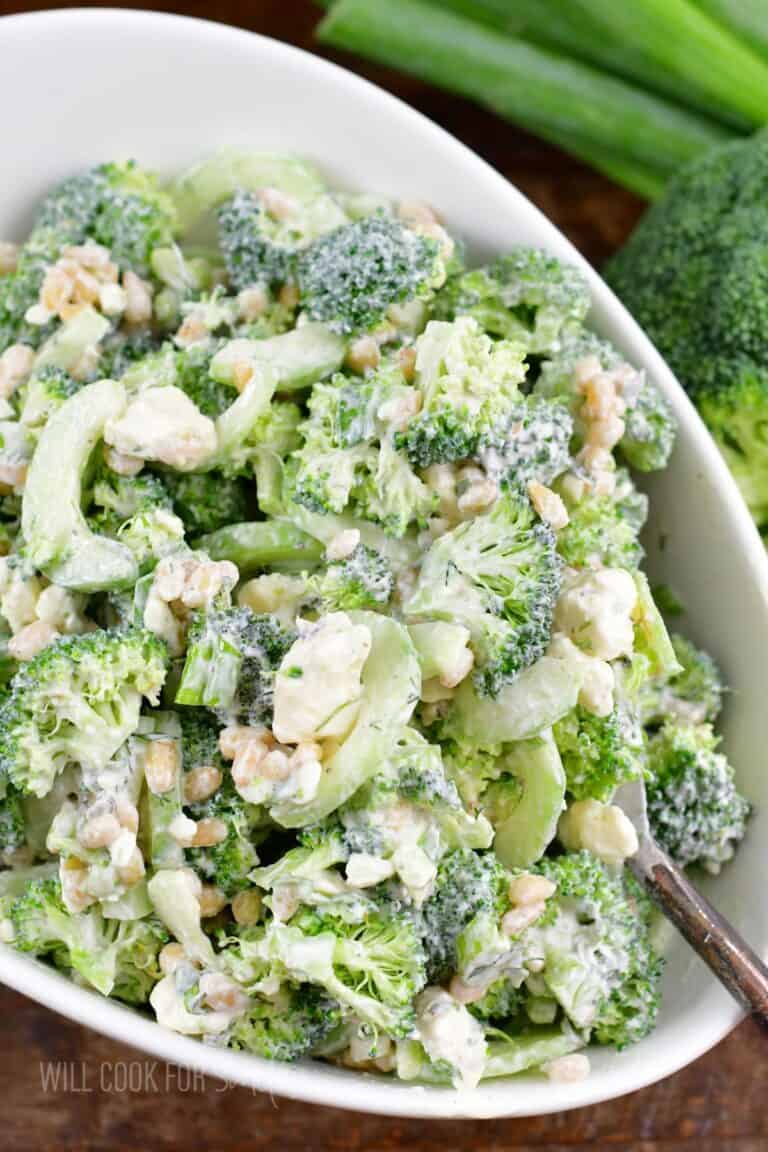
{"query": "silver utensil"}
(730, 958)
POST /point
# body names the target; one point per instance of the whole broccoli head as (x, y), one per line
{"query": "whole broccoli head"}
(694, 275)
(288, 1027)
(599, 961)
(232, 656)
(362, 580)
(525, 295)
(117, 205)
(117, 957)
(499, 575)
(605, 528)
(77, 701)
(695, 810)
(599, 752)
(694, 695)
(350, 277)
(467, 387)
(467, 884)
(206, 501)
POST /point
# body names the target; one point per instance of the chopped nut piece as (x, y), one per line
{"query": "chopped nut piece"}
(171, 957)
(32, 638)
(212, 900)
(246, 907)
(163, 765)
(530, 889)
(201, 783)
(343, 544)
(138, 300)
(363, 355)
(548, 505)
(568, 1069)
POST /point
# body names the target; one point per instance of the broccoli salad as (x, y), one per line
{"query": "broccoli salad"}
(324, 640)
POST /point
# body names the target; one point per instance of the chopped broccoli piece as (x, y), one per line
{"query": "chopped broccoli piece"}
(599, 961)
(498, 574)
(349, 277)
(117, 957)
(121, 350)
(118, 498)
(187, 369)
(232, 657)
(287, 1027)
(251, 255)
(207, 501)
(228, 863)
(694, 695)
(696, 813)
(364, 579)
(468, 389)
(77, 700)
(117, 205)
(605, 528)
(13, 834)
(43, 394)
(526, 295)
(467, 884)
(599, 752)
(536, 445)
(502, 1001)
(20, 290)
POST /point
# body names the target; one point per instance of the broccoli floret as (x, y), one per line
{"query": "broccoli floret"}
(649, 425)
(599, 752)
(537, 441)
(364, 579)
(208, 500)
(187, 369)
(121, 350)
(696, 812)
(117, 957)
(693, 695)
(605, 528)
(288, 1027)
(232, 657)
(467, 884)
(21, 289)
(45, 392)
(348, 461)
(117, 205)
(467, 385)
(349, 277)
(526, 295)
(498, 574)
(251, 255)
(137, 511)
(599, 962)
(502, 1001)
(77, 700)
(12, 824)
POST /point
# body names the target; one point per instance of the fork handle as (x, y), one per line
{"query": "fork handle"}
(730, 958)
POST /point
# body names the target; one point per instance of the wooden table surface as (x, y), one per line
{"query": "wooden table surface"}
(68, 1088)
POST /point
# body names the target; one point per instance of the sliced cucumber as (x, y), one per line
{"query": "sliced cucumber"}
(524, 832)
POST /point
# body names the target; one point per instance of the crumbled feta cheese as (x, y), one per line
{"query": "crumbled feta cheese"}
(602, 829)
(595, 611)
(318, 687)
(448, 1032)
(365, 871)
(597, 676)
(163, 424)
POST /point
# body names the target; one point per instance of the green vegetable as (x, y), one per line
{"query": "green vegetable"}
(262, 544)
(525, 818)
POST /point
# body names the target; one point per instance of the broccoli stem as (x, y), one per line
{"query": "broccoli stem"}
(560, 99)
(263, 544)
(747, 18)
(692, 47)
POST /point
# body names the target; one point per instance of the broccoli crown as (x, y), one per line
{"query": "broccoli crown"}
(499, 575)
(207, 500)
(694, 695)
(467, 385)
(349, 277)
(695, 811)
(12, 825)
(43, 394)
(232, 657)
(251, 255)
(599, 752)
(501, 1001)
(467, 884)
(362, 580)
(649, 429)
(694, 275)
(117, 205)
(121, 350)
(77, 700)
(608, 979)
(21, 289)
(199, 739)
(288, 1027)
(348, 459)
(228, 863)
(537, 442)
(192, 376)
(117, 957)
(605, 528)
(525, 295)
(117, 499)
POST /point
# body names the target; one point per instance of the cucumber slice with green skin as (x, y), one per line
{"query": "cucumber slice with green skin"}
(391, 680)
(533, 701)
(518, 1053)
(524, 833)
(298, 358)
(271, 544)
(651, 637)
(211, 183)
(59, 541)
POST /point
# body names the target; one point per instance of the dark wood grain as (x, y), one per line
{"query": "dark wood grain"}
(716, 1105)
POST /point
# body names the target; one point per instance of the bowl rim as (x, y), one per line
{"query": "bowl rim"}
(361, 1091)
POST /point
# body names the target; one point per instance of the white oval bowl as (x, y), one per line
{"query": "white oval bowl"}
(84, 86)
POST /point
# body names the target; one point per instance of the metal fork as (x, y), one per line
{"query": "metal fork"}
(730, 958)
